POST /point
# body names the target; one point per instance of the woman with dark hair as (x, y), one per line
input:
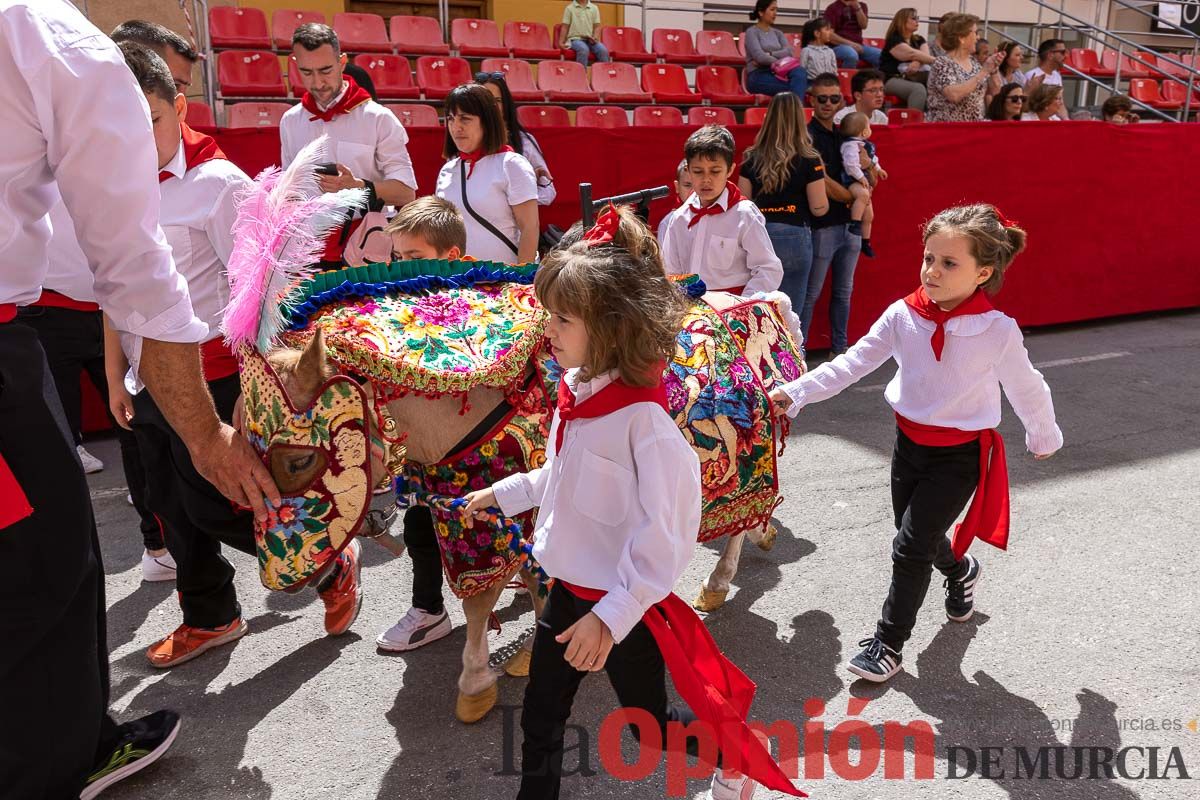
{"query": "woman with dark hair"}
(1118, 109)
(492, 186)
(1010, 69)
(1007, 104)
(519, 139)
(767, 46)
(906, 59)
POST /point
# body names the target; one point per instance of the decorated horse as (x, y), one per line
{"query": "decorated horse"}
(435, 375)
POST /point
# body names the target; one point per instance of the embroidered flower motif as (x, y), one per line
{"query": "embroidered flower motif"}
(288, 519)
(443, 309)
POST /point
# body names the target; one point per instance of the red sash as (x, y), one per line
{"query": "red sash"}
(14, 505)
(613, 397)
(699, 212)
(53, 299)
(352, 98)
(987, 518)
(920, 303)
(197, 148)
(8, 312)
(217, 360)
(714, 688)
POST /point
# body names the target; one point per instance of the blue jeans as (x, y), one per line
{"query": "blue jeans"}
(763, 81)
(837, 248)
(848, 58)
(582, 49)
(793, 246)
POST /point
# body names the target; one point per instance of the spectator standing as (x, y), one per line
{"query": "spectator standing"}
(849, 20)
(1008, 103)
(957, 81)
(906, 59)
(817, 56)
(783, 174)
(519, 139)
(1118, 109)
(765, 47)
(867, 89)
(1046, 104)
(1052, 54)
(581, 31)
(1009, 71)
(493, 188)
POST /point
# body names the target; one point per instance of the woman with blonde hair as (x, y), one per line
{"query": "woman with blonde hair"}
(957, 82)
(784, 176)
(1046, 104)
(906, 59)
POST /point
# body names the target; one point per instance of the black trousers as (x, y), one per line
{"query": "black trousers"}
(635, 668)
(199, 519)
(54, 657)
(421, 541)
(74, 343)
(930, 488)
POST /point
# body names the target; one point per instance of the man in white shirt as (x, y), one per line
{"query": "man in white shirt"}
(368, 144)
(1052, 54)
(867, 88)
(180, 56)
(72, 116)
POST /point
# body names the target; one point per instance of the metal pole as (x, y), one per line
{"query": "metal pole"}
(987, 15)
(585, 201)
(1061, 9)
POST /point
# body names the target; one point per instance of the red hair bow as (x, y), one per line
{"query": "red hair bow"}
(1005, 221)
(605, 228)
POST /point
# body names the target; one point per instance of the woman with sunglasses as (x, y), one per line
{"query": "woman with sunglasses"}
(519, 139)
(1008, 104)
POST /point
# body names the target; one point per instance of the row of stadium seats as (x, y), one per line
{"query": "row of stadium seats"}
(1105, 66)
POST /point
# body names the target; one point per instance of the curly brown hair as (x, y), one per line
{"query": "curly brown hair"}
(993, 243)
(953, 28)
(631, 310)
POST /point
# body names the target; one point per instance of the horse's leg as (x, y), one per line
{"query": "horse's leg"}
(518, 665)
(714, 590)
(763, 536)
(477, 684)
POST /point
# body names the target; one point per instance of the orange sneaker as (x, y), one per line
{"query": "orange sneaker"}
(186, 642)
(343, 596)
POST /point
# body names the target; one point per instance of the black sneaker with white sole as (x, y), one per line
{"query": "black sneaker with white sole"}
(877, 662)
(960, 592)
(138, 745)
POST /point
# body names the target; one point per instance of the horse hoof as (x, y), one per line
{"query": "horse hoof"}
(471, 708)
(709, 600)
(518, 665)
(768, 538)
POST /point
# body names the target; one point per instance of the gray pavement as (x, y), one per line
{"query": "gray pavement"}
(1086, 634)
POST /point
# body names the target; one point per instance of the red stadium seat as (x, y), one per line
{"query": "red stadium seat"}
(529, 40)
(391, 75)
(543, 116)
(285, 21)
(711, 115)
(718, 47)
(249, 73)
(361, 33)
(244, 28)
(668, 84)
(519, 77)
(601, 117)
(1168, 68)
(876, 43)
(565, 82)
(254, 115)
(1146, 91)
(437, 75)
(415, 115)
(618, 83)
(625, 44)
(721, 85)
(199, 113)
(477, 37)
(1172, 91)
(755, 116)
(1133, 69)
(845, 76)
(905, 116)
(1087, 62)
(674, 45)
(656, 117)
(421, 36)
(293, 77)
(567, 52)
(1155, 69)
(1108, 62)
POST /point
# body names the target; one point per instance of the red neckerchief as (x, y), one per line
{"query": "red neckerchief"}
(613, 397)
(352, 98)
(197, 148)
(919, 302)
(987, 517)
(699, 212)
(470, 158)
(714, 688)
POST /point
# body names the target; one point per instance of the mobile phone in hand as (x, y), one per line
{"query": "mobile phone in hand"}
(328, 168)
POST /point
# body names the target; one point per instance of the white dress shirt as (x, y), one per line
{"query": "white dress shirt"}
(369, 140)
(198, 211)
(498, 182)
(726, 250)
(73, 114)
(533, 154)
(67, 272)
(619, 506)
(877, 116)
(982, 353)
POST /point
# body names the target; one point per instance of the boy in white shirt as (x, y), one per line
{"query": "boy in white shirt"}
(198, 188)
(717, 233)
(683, 190)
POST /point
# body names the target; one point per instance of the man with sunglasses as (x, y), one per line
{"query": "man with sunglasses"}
(1052, 54)
(834, 247)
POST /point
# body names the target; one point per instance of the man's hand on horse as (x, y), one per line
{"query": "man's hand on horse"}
(780, 402)
(589, 641)
(229, 463)
(478, 503)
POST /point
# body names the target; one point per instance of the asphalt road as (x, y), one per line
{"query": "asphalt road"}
(1086, 634)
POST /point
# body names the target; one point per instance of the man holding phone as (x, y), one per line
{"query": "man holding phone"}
(581, 31)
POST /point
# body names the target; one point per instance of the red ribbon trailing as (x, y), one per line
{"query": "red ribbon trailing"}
(919, 302)
(699, 212)
(197, 148)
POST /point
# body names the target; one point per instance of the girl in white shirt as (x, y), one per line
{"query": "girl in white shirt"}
(493, 187)
(954, 353)
(619, 495)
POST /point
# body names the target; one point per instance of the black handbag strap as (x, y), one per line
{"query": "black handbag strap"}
(462, 171)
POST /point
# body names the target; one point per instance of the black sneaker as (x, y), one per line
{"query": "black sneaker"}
(138, 745)
(877, 662)
(960, 593)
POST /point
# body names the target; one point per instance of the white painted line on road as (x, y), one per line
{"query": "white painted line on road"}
(1058, 362)
(104, 494)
